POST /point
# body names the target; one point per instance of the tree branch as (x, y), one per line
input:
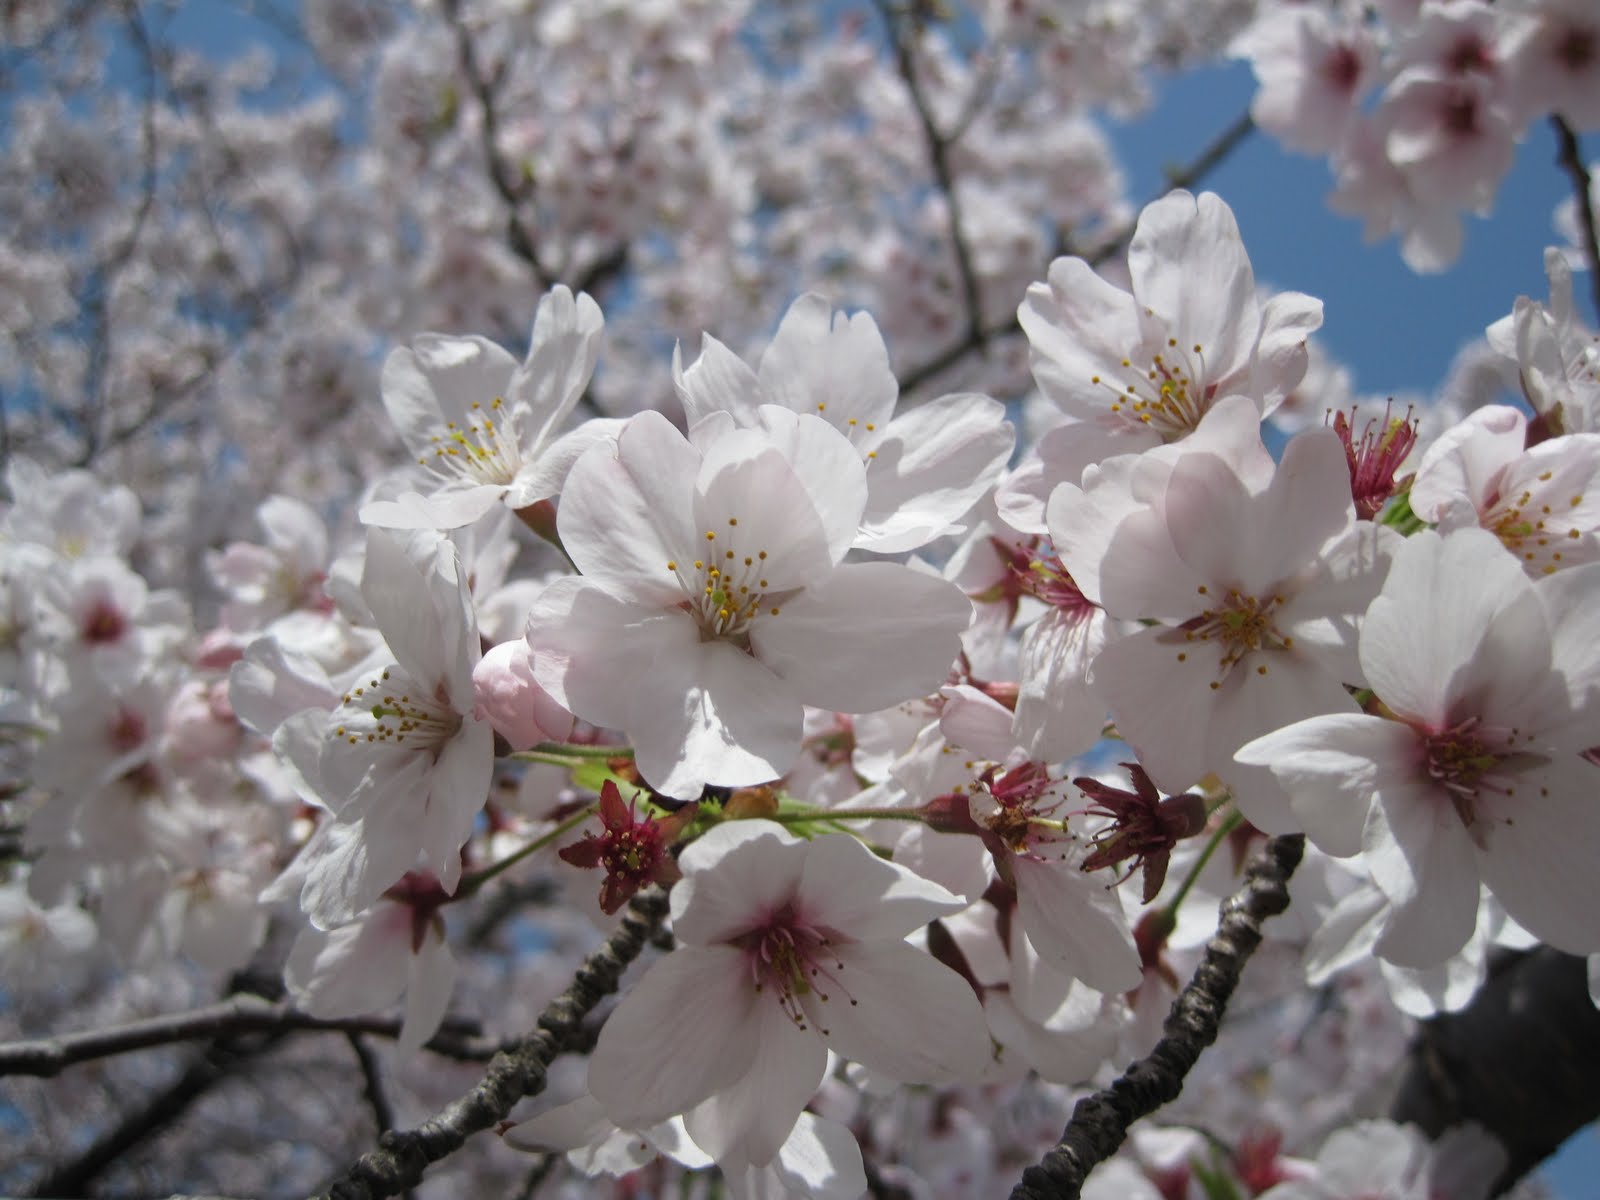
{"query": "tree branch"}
(1518, 1060)
(1100, 1122)
(499, 173)
(402, 1156)
(1570, 157)
(238, 1014)
(1182, 177)
(204, 1072)
(939, 159)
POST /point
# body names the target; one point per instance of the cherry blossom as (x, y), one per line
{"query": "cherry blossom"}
(1253, 592)
(714, 603)
(487, 428)
(925, 468)
(786, 949)
(1134, 369)
(1491, 681)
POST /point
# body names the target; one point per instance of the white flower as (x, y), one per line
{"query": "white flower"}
(485, 428)
(403, 762)
(925, 467)
(1137, 369)
(786, 949)
(1251, 591)
(1542, 502)
(714, 602)
(1493, 682)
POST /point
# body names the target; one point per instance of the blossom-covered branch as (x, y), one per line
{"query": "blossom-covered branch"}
(1101, 1122)
(403, 1155)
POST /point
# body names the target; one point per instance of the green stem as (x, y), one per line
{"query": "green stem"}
(476, 880)
(578, 750)
(845, 814)
(1228, 826)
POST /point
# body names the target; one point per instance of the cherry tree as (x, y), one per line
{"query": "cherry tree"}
(692, 598)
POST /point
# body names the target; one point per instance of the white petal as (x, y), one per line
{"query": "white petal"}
(707, 712)
(749, 501)
(894, 1009)
(561, 355)
(847, 888)
(1540, 849)
(436, 379)
(1332, 766)
(1077, 924)
(829, 364)
(751, 1117)
(719, 381)
(626, 512)
(868, 636)
(448, 508)
(1420, 855)
(588, 647)
(1457, 621)
(931, 466)
(685, 1031)
(546, 474)
(827, 466)
(733, 874)
(430, 979)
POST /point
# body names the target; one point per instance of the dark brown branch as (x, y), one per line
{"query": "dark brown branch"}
(499, 172)
(939, 158)
(372, 1083)
(1100, 1122)
(1519, 1060)
(1183, 177)
(1570, 158)
(402, 1156)
(238, 1014)
(372, 1087)
(218, 1062)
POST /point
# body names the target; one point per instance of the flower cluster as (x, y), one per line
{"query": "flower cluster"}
(943, 714)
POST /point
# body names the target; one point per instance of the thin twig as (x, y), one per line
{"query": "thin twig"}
(1570, 158)
(209, 1068)
(239, 1014)
(1100, 1122)
(402, 1156)
(939, 159)
(377, 1095)
(499, 173)
(1183, 177)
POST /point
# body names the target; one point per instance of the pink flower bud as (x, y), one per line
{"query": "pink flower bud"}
(507, 697)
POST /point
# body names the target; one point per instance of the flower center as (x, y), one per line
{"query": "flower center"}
(727, 585)
(1169, 396)
(1531, 525)
(482, 452)
(858, 431)
(103, 623)
(1241, 624)
(389, 712)
(793, 959)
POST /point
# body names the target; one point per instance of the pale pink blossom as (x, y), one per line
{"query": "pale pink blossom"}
(1311, 72)
(1543, 503)
(1492, 681)
(486, 428)
(925, 467)
(786, 949)
(715, 604)
(1134, 369)
(1251, 591)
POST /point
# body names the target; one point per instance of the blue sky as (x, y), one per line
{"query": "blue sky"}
(1397, 330)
